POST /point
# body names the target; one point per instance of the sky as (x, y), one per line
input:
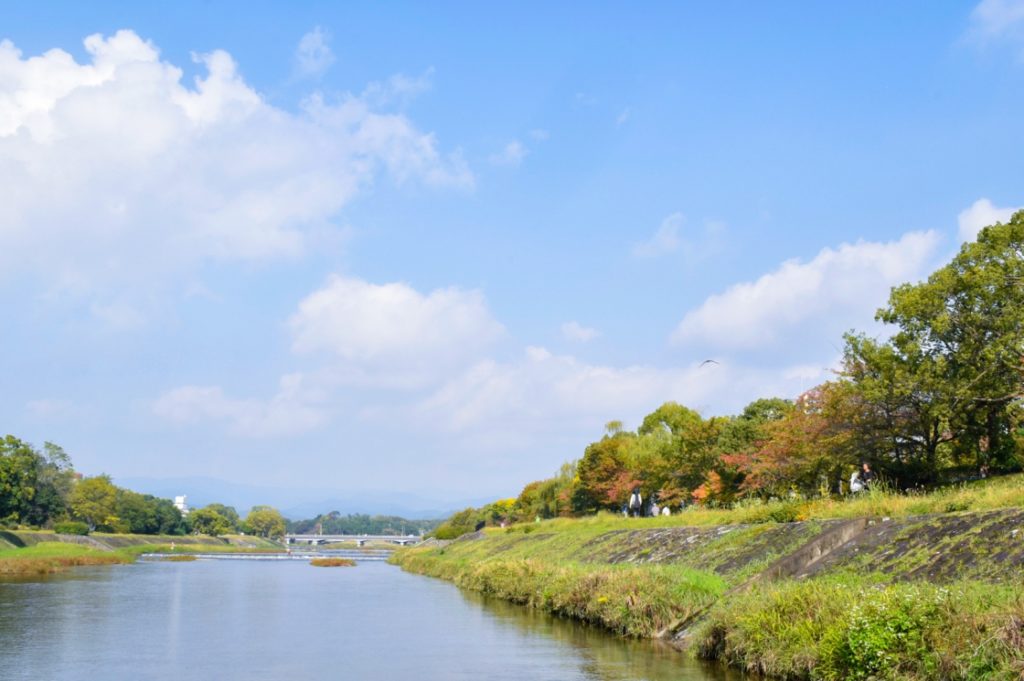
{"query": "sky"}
(430, 250)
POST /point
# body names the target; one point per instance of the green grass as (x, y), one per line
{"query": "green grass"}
(53, 557)
(860, 619)
(981, 495)
(43, 554)
(851, 628)
(629, 600)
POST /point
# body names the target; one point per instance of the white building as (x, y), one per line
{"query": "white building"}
(181, 504)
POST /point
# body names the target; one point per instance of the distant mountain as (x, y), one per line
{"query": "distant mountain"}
(297, 504)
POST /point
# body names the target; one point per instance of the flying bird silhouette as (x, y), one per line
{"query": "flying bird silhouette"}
(708, 361)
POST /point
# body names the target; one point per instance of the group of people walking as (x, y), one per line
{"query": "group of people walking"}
(636, 508)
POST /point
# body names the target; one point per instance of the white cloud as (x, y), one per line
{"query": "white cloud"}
(837, 289)
(574, 331)
(113, 172)
(997, 20)
(398, 88)
(543, 393)
(623, 117)
(512, 154)
(539, 134)
(313, 56)
(293, 410)
(981, 213)
(389, 328)
(665, 240)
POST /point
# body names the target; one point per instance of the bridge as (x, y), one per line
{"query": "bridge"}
(359, 539)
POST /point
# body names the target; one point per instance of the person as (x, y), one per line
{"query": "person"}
(625, 510)
(666, 510)
(867, 476)
(636, 503)
(655, 511)
(855, 483)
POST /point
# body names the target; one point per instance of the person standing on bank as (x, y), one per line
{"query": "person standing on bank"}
(636, 503)
(867, 476)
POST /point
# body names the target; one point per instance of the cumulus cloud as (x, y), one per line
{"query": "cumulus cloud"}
(574, 331)
(838, 288)
(981, 213)
(545, 392)
(512, 154)
(313, 55)
(388, 328)
(294, 409)
(114, 171)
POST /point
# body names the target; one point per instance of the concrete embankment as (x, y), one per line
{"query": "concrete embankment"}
(922, 597)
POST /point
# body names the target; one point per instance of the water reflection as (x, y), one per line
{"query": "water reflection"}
(286, 620)
(602, 656)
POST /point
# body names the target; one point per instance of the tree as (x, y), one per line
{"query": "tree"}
(604, 479)
(968, 319)
(942, 388)
(94, 500)
(228, 513)
(34, 485)
(264, 521)
(208, 521)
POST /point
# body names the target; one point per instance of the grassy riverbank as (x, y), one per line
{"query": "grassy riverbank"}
(850, 628)
(883, 586)
(53, 557)
(33, 552)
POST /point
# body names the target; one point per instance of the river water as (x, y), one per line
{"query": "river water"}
(251, 620)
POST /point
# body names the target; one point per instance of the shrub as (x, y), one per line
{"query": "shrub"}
(71, 527)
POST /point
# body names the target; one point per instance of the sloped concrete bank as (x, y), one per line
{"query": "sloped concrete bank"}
(728, 592)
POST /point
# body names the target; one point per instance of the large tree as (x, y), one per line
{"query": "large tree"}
(34, 486)
(208, 520)
(94, 501)
(955, 365)
(264, 521)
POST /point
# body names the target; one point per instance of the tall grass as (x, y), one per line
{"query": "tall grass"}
(628, 600)
(833, 630)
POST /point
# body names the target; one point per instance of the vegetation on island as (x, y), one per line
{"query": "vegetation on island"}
(332, 562)
(937, 402)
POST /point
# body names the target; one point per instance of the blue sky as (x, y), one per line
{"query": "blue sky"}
(432, 250)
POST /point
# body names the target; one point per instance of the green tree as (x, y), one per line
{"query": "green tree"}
(208, 521)
(968, 320)
(94, 502)
(19, 472)
(34, 486)
(264, 521)
(228, 513)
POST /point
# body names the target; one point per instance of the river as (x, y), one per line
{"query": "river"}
(253, 620)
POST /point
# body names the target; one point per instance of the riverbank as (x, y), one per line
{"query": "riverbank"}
(27, 553)
(893, 595)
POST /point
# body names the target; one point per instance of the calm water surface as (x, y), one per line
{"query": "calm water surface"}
(228, 620)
